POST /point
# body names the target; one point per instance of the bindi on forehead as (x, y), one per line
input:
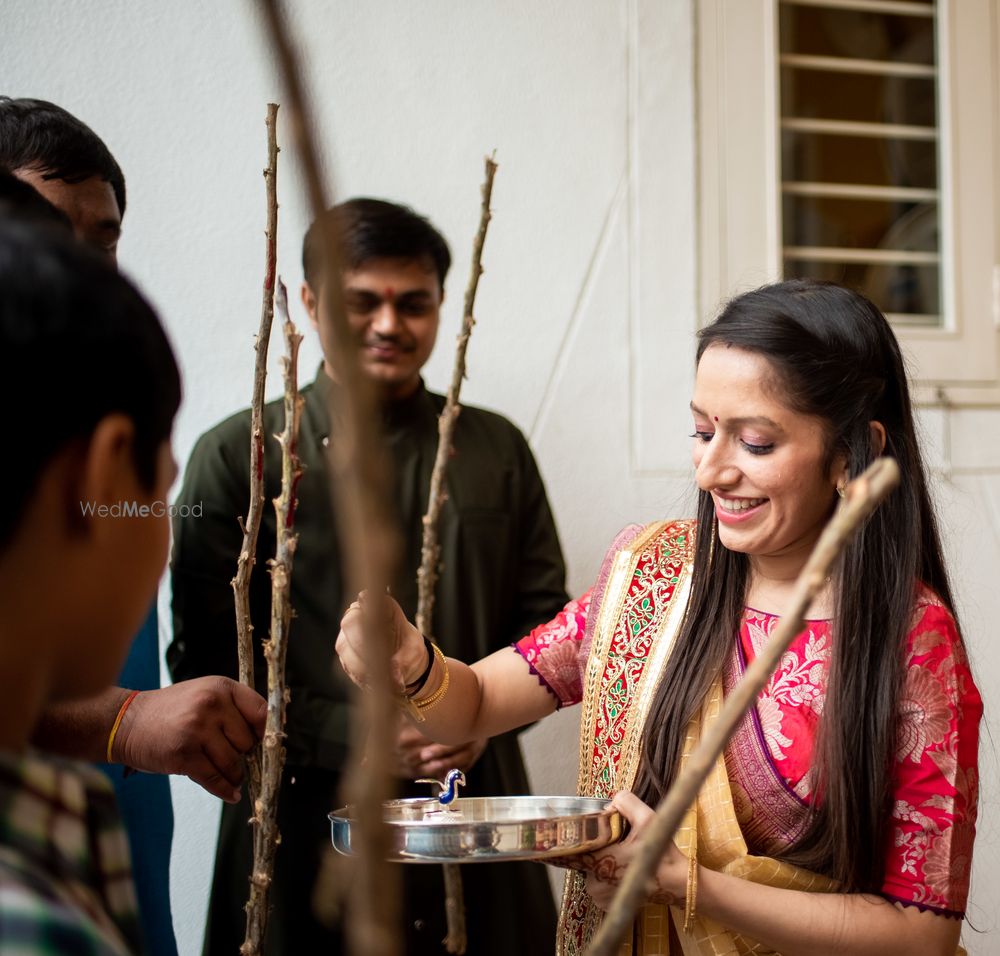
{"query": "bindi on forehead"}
(389, 293)
(716, 417)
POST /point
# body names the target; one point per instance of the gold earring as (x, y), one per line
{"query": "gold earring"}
(841, 492)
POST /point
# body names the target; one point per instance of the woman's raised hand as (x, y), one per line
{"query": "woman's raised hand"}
(409, 659)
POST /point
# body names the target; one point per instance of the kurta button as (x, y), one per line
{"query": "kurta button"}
(419, 925)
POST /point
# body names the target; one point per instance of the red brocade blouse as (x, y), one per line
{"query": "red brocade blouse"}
(936, 780)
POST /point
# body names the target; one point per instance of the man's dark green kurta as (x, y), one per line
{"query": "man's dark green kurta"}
(502, 574)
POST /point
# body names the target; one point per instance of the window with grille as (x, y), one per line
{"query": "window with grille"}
(859, 157)
(859, 141)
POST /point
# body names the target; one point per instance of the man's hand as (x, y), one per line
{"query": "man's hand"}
(417, 756)
(200, 728)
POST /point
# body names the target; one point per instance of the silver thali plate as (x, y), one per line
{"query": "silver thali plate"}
(490, 829)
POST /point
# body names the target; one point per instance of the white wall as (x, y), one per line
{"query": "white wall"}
(587, 306)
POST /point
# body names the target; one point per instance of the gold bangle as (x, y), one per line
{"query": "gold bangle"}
(691, 894)
(407, 706)
(425, 703)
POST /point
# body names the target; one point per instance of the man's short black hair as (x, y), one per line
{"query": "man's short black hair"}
(20, 200)
(376, 229)
(36, 134)
(77, 342)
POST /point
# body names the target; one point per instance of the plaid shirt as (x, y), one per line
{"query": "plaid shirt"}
(65, 874)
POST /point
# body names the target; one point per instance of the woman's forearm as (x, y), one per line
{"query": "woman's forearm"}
(495, 695)
(796, 923)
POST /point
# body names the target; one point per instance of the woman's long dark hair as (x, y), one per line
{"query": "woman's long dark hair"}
(837, 359)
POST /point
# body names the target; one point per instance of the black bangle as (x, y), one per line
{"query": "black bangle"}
(418, 685)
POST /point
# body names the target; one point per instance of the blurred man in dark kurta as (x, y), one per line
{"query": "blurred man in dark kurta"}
(502, 574)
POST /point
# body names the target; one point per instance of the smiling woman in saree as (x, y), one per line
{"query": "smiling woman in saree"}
(841, 817)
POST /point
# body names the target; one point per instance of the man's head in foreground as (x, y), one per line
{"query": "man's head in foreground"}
(68, 163)
(394, 267)
(94, 390)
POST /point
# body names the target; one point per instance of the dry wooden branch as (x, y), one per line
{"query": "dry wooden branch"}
(430, 550)
(863, 495)
(248, 552)
(454, 908)
(369, 545)
(265, 831)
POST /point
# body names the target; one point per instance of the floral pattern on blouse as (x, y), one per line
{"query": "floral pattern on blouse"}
(791, 704)
(937, 778)
(552, 651)
(936, 782)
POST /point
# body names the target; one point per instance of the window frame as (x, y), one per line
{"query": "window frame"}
(739, 189)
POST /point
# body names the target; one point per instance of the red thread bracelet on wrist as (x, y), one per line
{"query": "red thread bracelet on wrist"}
(118, 721)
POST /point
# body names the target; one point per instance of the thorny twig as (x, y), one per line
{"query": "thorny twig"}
(248, 552)
(265, 832)
(430, 551)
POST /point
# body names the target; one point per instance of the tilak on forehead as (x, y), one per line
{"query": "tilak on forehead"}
(389, 293)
